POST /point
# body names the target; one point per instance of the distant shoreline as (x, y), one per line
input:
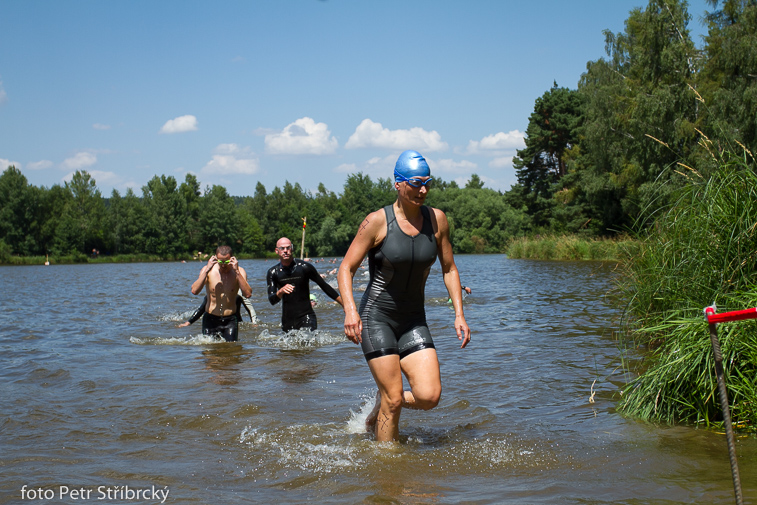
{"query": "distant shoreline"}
(542, 247)
(79, 259)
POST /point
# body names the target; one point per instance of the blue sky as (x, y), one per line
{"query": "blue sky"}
(307, 91)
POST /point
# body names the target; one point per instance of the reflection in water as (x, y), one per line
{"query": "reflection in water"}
(296, 367)
(224, 361)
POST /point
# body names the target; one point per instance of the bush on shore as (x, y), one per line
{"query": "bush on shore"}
(569, 247)
(702, 251)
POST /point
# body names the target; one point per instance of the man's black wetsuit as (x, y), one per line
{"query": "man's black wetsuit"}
(392, 307)
(227, 326)
(224, 326)
(296, 310)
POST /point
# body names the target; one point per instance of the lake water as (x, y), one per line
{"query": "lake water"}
(106, 401)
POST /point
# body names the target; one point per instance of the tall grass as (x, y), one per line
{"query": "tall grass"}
(703, 250)
(568, 247)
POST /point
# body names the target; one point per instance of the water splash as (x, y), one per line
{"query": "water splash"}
(192, 340)
(299, 339)
(356, 422)
(304, 447)
(176, 316)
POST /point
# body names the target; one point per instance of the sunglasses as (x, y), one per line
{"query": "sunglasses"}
(285, 248)
(416, 183)
(224, 262)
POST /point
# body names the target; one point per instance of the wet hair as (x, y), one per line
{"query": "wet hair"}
(223, 250)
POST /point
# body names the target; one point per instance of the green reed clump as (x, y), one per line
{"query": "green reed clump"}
(567, 247)
(703, 250)
(680, 384)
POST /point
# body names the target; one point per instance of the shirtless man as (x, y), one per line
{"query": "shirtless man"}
(222, 278)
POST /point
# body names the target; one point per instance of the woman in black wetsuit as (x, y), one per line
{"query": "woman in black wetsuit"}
(402, 241)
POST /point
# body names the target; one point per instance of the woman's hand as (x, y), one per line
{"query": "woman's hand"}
(353, 326)
(462, 329)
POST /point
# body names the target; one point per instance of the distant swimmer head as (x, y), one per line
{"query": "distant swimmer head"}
(410, 164)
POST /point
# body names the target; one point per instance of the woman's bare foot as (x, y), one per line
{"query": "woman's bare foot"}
(370, 420)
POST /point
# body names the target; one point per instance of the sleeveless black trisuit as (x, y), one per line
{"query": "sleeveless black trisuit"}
(392, 307)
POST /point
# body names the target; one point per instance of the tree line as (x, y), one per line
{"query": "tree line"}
(172, 220)
(599, 160)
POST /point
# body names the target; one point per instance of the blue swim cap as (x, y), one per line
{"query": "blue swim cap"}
(410, 164)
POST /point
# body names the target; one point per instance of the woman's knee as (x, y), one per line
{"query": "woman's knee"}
(428, 399)
(392, 401)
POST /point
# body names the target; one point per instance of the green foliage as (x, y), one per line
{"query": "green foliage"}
(568, 247)
(729, 73)
(219, 222)
(680, 384)
(251, 234)
(553, 129)
(190, 191)
(17, 214)
(5, 252)
(170, 221)
(704, 247)
(640, 113)
(362, 196)
(166, 224)
(480, 219)
(81, 225)
(703, 250)
(127, 222)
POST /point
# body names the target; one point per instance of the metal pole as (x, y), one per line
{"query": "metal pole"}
(302, 247)
(726, 412)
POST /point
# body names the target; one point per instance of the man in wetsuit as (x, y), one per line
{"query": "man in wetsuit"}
(222, 278)
(289, 281)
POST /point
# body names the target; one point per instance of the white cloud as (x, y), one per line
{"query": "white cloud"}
(101, 178)
(448, 166)
(370, 134)
(503, 162)
(501, 141)
(4, 164)
(105, 178)
(39, 165)
(375, 167)
(82, 159)
(230, 159)
(98, 126)
(347, 168)
(180, 124)
(304, 136)
(3, 94)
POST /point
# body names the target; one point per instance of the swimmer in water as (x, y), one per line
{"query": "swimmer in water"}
(402, 241)
(222, 278)
(289, 282)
